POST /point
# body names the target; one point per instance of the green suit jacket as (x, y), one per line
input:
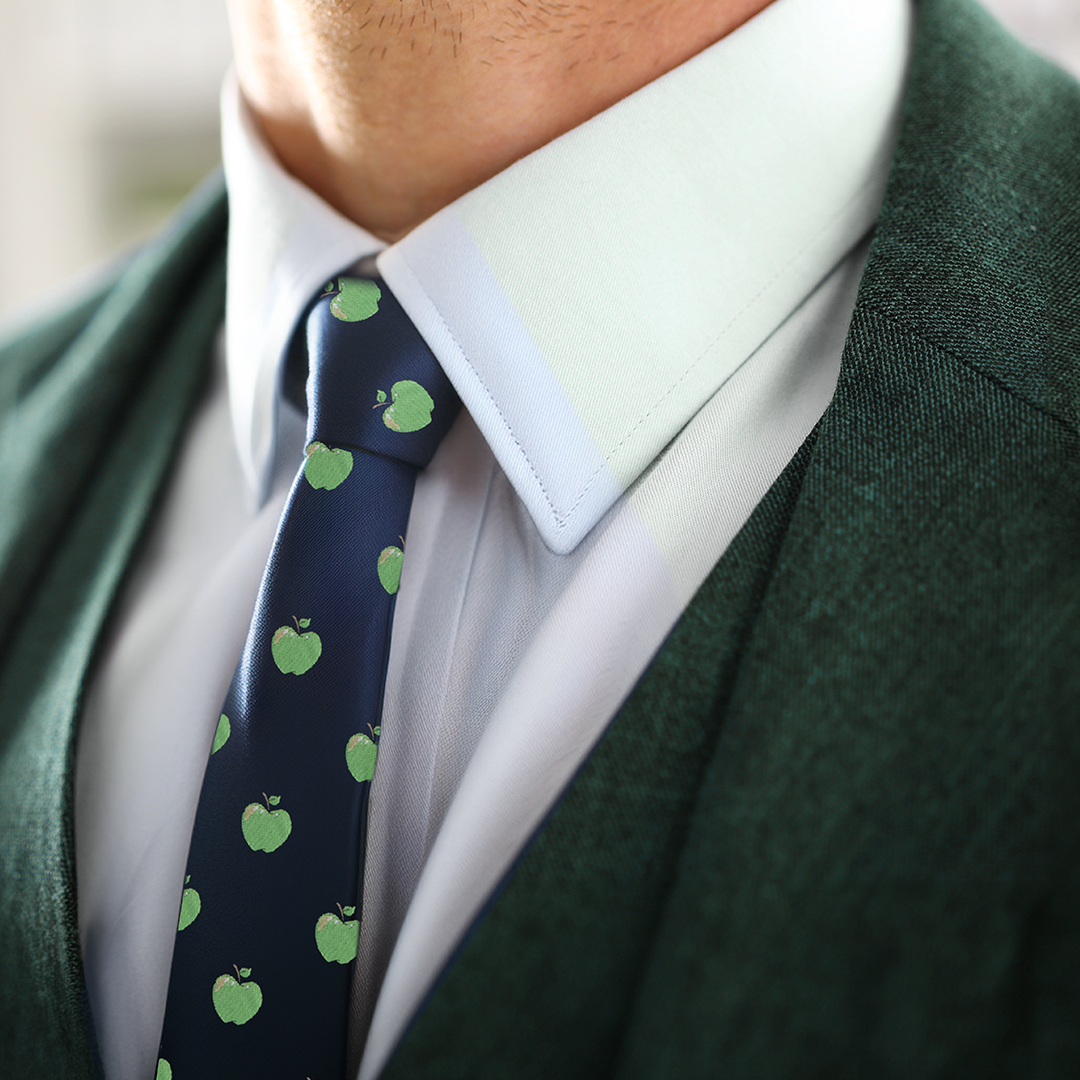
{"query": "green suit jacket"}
(835, 831)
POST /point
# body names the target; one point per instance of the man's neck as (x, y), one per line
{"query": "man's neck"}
(391, 109)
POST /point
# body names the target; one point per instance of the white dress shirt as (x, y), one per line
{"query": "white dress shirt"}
(644, 320)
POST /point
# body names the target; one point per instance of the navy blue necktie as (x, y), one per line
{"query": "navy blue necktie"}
(268, 922)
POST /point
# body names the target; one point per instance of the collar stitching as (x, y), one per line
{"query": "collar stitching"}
(738, 315)
(563, 521)
(560, 523)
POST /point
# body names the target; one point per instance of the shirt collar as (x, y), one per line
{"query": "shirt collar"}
(588, 300)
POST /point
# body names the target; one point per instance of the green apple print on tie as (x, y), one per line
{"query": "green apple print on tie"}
(337, 939)
(190, 906)
(237, 1002)
(357, 299)
(409, 408)
(360, 754)
(164, 1070)
(265, 829)
(221, 736)
(389, 567)
(326, 468)
(295, 652)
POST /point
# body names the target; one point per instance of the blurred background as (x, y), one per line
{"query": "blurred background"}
(108, 117)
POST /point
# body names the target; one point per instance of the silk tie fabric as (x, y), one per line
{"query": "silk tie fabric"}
(269, 920)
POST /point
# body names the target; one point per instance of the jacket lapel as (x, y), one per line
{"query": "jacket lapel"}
(95, 405)
(815, 839)
(543, 985)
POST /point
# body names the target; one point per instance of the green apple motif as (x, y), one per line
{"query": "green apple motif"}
(410, 409)
(237, 1002)
(337, 939)
(357, 299)
(294, 652)
(326, 468)
(164, 1070)
(221, 736)
(265, 829)
(390, 559)
(190, 906)
(360, 754)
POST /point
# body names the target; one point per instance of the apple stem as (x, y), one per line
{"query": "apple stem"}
(372, 730)
(297, 621)
(380, 404)
(342, 910)
(237, 970)
(267, 801)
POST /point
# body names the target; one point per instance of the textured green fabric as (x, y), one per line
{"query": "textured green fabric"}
(836, 831)
(92, 406)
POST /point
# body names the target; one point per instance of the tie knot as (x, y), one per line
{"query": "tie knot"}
(373, 384)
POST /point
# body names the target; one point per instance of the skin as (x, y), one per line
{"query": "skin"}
(390, 109)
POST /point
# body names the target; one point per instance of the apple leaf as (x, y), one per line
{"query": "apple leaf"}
(275, 799)
(378, 730)
(349, 910)
(380, 396)
(187, 879)
(328, 287)
(305, 623)
(245, 972)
